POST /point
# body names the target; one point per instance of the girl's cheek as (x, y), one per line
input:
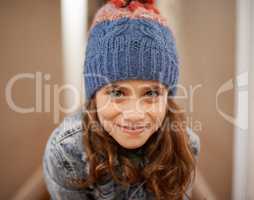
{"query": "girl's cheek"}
(157, 112)
(106, 117)
(156, 106)
(105, 105)
(108, 111)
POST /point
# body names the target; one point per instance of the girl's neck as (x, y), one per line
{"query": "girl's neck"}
(132, 153)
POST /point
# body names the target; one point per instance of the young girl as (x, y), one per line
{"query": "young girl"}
(130, 140)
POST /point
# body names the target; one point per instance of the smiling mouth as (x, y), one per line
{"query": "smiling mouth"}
(133, 128)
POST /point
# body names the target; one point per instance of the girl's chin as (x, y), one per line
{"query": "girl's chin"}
(131, 142)
(130, 146)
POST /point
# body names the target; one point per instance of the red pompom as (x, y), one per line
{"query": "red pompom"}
(123, 3)
(119, 3)
(150, 1)
(134, 5)
(151, 7)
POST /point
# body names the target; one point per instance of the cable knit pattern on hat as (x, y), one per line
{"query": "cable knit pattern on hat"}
(124, 45)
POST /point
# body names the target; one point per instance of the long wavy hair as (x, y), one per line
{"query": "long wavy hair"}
(171, 167)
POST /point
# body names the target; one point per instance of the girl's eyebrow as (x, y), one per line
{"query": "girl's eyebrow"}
(153, 87)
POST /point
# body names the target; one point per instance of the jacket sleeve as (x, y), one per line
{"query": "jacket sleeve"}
(58, 175)
(194, 141)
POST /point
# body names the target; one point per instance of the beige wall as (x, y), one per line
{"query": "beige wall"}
(205, 34)
(30, 42)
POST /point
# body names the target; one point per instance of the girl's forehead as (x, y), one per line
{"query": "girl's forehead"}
(136, 84)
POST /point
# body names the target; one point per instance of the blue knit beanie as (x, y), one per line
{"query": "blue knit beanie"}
(130, 40)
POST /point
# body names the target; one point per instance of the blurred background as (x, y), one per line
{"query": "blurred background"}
(41, 56)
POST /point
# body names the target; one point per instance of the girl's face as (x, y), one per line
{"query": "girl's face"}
(132, 104)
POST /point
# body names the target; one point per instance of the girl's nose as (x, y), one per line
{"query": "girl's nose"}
(133, 117)
(133, 105)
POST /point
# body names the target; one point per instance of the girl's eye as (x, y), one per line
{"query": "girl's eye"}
(153, 92)
(113, 92)
(118, 93)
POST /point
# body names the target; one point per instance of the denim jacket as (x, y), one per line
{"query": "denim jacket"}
(65, 165)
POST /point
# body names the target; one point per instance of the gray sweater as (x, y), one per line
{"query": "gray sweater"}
(65, 165)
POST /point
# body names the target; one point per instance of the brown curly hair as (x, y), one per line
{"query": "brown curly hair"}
(171, 167)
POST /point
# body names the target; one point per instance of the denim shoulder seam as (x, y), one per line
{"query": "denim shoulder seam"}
(70, 125)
